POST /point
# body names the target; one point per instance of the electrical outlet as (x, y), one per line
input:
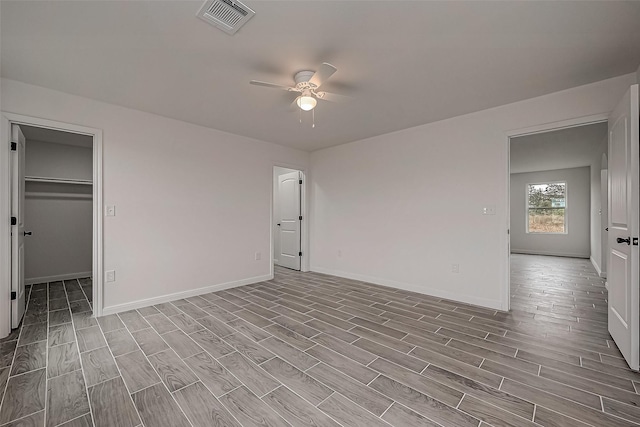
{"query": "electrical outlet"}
(111, 210)
(258, 256)
(110, 276)
(455, 268)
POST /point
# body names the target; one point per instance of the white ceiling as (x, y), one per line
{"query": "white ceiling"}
(559, 149)
(405, 63)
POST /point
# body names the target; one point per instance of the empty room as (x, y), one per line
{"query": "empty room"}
(319, 213)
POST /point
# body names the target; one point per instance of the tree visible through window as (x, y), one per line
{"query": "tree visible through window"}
(546, 207)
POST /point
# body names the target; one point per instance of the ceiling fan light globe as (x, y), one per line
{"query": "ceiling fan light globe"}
(306, 103)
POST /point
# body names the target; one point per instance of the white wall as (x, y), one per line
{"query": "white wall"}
(571, 147)
(192, 204)
(576, 242)
(60, 247)
(47, 159)
(403, 207)
(59, 215)
(277, 171)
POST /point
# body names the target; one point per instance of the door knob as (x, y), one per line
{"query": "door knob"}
(27, 233)
(606, 229)
(278, 224)
(621, 240)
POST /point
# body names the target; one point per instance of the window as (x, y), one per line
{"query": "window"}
(547, 207)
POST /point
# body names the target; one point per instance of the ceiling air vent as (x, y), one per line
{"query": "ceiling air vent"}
(228, 15)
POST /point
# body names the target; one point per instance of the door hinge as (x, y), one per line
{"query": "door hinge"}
(300, 182)
(299, 253)
(14, 146)
(14, 220)
(300, 217)
(635, 241)
(13, 296)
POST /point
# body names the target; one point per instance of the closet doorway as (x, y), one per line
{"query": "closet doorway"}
(58, 220)
(55, 208)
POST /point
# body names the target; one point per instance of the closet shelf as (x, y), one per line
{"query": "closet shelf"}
(58, 180)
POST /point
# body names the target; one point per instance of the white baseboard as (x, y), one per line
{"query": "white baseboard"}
(596, 266)
(549, 253)
(439, 293)
(45, 279)
(184, 294)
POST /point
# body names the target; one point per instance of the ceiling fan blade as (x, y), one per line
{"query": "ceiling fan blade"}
(325, 71)
(273, 85)
(332, 97)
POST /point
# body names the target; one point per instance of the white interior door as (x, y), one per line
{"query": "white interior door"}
(289, 222)
(17, 230)
(622, 268)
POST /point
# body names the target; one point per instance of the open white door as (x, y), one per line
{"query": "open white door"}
(17, 229)
(622, 266)
(289, 187)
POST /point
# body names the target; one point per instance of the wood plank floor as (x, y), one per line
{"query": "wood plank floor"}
(309, 349)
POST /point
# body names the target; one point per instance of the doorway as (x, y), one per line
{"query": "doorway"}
(554, 195)
(621, 246)
(288, 219)
(53, 189)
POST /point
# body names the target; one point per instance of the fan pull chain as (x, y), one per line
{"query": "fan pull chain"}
(300, 114)
(313, 118)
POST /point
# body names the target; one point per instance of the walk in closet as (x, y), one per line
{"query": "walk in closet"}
(58, 205)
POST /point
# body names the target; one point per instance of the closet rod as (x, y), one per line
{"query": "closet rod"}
(38, 195)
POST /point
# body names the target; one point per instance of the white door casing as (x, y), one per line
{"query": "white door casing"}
(604, 221)
(622, 265)
(289, 188)
(17, 230)
(6, 137)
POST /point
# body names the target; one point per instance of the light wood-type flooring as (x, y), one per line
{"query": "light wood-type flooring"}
(309, 349)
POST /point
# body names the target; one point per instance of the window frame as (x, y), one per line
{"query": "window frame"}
(566, 207)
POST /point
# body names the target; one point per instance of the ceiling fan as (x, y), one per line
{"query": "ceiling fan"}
(307, 84)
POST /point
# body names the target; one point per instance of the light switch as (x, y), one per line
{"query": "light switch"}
(110, 276)
(489, 210)
(111, 210)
